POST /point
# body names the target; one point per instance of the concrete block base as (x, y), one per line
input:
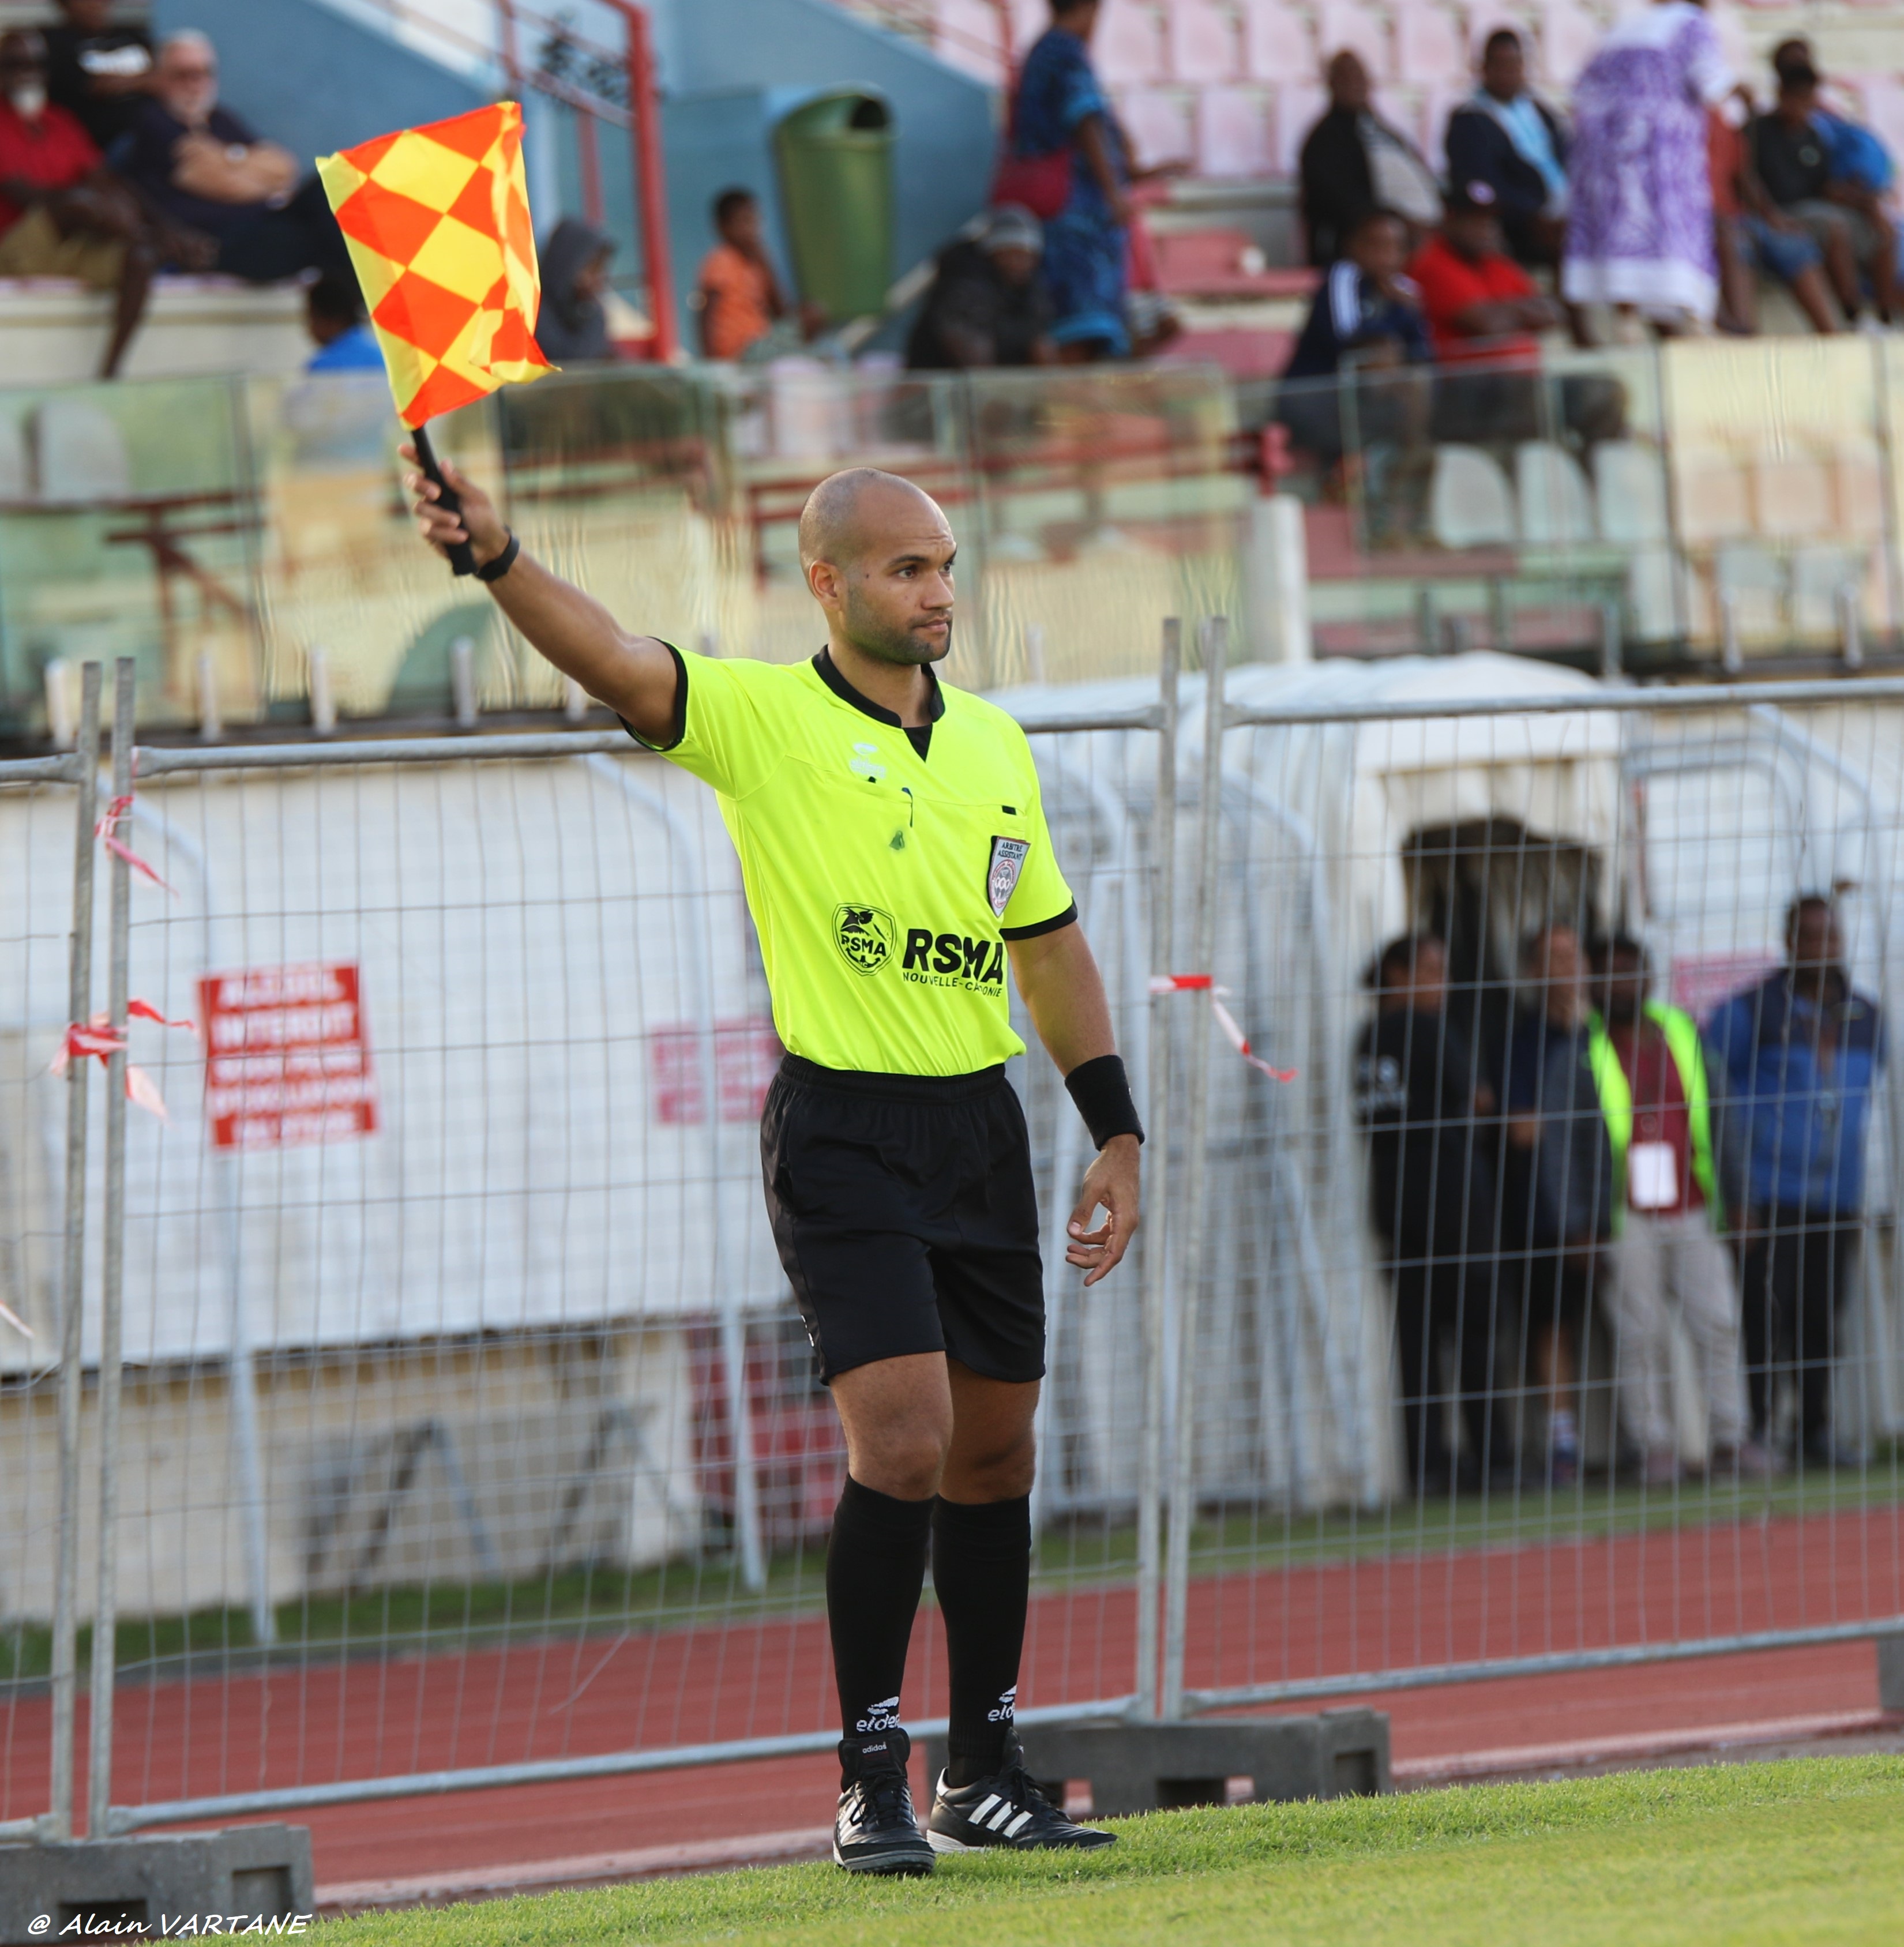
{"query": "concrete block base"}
(1136, 1767)
(260, 1872)
(1890, 1671)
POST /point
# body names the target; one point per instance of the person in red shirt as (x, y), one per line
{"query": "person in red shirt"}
(1669, 1251)
(62, 213)
(1484, 312)
(738, 294)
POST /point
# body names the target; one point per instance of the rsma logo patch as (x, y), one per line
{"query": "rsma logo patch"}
(864, 935)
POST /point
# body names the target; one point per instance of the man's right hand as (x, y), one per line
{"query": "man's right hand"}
(478, 523)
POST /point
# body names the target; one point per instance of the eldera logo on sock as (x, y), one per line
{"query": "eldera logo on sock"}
(880, 1717)
(1007, 1707)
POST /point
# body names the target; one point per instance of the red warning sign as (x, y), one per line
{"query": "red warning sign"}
(286, 1060)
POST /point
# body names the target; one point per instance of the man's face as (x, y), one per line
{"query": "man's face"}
(1503, 72)
(894, 599)
(1348, 82)
(1624, 987)
(1427, 984)
(1017, 266)
(1473, 234)
(1380, 248)
(187, 82)
(23, 76)
(742, 227)
(1817, 943)
(1557, 966)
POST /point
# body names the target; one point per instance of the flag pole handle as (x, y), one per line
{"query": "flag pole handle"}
(462, 556)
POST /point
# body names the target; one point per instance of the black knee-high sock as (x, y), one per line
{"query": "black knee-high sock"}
(981, 1567)
(875, 1567)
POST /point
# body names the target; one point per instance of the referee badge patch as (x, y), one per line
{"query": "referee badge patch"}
(864, 937)
(1001, 877)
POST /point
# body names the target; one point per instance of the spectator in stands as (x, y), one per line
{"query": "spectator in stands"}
(1651, 1072)
(207, 170)
(1419, 1094)
(1639, 230)
(1857, 157)
(62, 213)
(1791, 159)
(334, 314)
(1560, 1215)
(97, 70)
(1505, 136)
(1353, 161)
(1368, 311)
(1796, 1061)
(572, 326)
(1060, 108)
(1483, 311)
(987, 307)
(1752, 233)
(739, 295)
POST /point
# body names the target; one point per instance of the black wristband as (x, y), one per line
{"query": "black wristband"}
(494, 571)
(1102, 1091)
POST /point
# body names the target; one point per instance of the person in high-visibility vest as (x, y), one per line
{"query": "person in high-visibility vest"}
(1650, 1070)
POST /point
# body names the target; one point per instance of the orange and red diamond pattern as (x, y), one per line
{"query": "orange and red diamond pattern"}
(437, 219)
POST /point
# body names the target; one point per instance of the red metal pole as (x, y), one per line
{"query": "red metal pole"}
(650, 181)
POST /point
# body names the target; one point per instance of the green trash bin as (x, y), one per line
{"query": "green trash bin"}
(835, 155)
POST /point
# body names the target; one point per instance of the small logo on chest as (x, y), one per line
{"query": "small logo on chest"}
(864, 762)
(1001, 875)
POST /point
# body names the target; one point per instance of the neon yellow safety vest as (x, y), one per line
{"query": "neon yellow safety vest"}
(1682, 1034)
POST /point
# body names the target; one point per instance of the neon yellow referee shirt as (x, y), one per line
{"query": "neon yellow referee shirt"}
(884, 882)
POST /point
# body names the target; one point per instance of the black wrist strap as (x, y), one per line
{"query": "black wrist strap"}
(1102, 1091)
(494, 571)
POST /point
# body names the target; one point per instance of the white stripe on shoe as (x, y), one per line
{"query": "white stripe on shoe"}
(1012, 1830)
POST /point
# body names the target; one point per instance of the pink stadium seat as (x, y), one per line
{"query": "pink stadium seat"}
(1128, 49)
(1884, 112)
(968, 37)
(1299, 105)
(1277, 44)
(1429, 46)
(1347, 24)
(1437, 105)
(1204, 41)
(1235, 132)
(1569, 37)
(1159, 122)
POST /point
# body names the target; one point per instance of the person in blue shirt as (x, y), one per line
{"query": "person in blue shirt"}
(1368, 314)
(334, 314)
(1795, 1062)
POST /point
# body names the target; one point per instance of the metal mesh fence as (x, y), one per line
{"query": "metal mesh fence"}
(468, 1436)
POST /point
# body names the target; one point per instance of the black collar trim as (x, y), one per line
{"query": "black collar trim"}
(829, 673)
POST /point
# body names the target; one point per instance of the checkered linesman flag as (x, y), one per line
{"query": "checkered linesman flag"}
(437, 219)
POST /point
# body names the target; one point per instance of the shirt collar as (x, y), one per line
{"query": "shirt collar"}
(829, 673)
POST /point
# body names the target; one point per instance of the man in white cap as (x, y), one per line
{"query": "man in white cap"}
(987, 306)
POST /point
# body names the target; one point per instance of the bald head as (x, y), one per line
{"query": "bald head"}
(878, 554)
(861, 513)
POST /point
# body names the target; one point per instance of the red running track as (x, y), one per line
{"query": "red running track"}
(689, 1685)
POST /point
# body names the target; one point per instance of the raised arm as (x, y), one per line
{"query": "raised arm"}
(635, 676)
(1064, 993)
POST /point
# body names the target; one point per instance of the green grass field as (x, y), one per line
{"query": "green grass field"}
(1809, 1851)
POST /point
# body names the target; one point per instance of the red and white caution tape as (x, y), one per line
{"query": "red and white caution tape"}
(107, 832)
(1206, 983)
(97, 1039)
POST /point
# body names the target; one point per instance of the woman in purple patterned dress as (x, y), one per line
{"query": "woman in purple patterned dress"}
(1639, 230)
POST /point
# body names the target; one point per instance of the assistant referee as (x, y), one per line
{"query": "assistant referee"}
(896, 857)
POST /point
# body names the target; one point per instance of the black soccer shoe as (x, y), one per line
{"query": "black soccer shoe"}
(874, 1830)
(1006, 1810)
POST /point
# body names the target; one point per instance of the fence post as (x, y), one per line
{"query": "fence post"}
(1157, 1225)
(1215, 644)
(105, 1631)
(65, 1573)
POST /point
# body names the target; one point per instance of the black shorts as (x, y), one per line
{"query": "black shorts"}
(905, 1216)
